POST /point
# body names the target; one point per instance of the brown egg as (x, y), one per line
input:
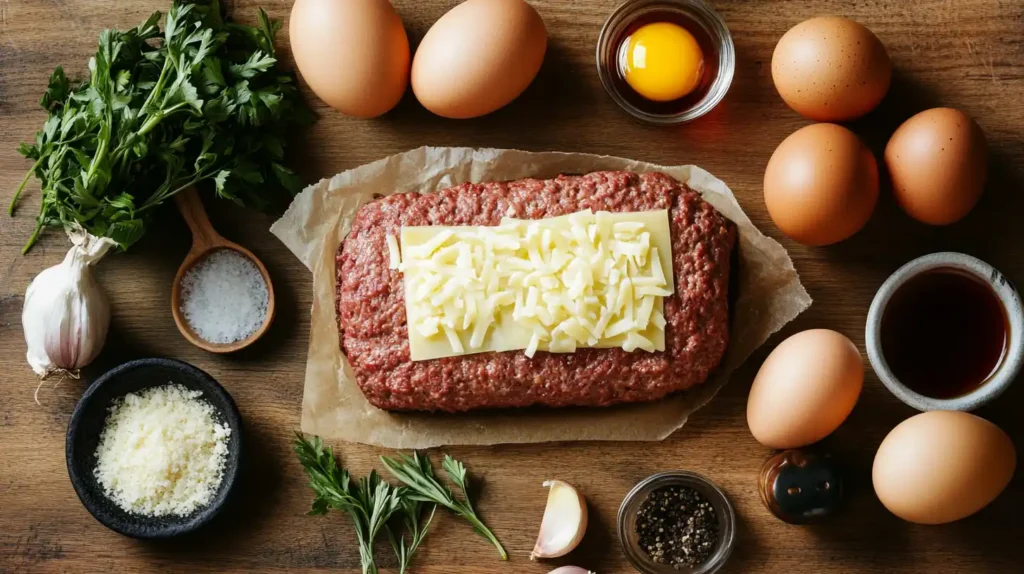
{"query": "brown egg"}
(938, 162)
(831, 69)
(941, 466)
(805, 389)
(478, 57)
(353, 54)
(821, 184)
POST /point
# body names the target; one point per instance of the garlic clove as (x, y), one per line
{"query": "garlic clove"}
(564, 522)
(571, 570)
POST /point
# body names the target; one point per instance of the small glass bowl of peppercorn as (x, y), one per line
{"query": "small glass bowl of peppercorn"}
(677, 522)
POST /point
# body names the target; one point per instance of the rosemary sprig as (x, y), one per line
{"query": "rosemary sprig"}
(417, 474)
(411, 513)
(370, 502)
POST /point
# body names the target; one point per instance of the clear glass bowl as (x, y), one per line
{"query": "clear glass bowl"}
(631, 505)
(693, 10)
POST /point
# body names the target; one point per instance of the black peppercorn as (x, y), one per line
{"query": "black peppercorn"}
(677, 526)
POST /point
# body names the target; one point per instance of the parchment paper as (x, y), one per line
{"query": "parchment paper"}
(770, 295)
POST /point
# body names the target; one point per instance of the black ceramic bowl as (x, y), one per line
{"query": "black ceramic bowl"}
(87, 423)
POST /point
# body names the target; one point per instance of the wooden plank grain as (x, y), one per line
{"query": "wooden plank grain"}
(968, 54)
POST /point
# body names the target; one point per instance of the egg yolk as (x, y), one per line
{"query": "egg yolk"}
(662, 61)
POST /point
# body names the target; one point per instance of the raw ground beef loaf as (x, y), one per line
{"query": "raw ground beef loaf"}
(371, 304)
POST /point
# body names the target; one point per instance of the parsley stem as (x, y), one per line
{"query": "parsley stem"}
(158, 198)
(158, 88)
(32, 238)
(101, 153)
(17, 194)
(35, 232)
(155, 119)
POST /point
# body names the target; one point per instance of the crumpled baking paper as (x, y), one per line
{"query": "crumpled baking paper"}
(769, 296)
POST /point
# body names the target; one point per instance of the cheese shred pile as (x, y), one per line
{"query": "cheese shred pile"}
(583, 280)
(162, 452)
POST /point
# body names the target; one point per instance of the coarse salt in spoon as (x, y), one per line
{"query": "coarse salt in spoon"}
(220, 289)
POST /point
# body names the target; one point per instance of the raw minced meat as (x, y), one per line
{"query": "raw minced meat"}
(371, 304)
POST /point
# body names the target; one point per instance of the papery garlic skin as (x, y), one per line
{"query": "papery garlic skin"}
(66, 314)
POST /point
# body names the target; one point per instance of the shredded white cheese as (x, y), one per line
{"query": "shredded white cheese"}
(162, 452)
(583, 280)
(394, 254)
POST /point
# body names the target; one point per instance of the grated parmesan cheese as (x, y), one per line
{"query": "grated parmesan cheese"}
(581, 280)
(162, 452)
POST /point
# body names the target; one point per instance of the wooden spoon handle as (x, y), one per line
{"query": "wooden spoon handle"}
(191, 207)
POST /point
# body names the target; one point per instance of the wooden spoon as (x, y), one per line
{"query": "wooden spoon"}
(205, 240)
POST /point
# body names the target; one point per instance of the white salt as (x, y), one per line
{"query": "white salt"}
(224, 297)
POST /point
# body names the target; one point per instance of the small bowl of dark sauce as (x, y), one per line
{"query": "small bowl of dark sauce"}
(946, 332)
(666, 61)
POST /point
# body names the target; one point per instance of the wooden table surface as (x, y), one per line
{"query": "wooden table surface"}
(967, 54)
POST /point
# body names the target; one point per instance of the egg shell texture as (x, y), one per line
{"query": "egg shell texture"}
(938, 162)
(831, 69)
(353, 54)
(805, 389)
(941, 466)
(478, 57)
(821, 184)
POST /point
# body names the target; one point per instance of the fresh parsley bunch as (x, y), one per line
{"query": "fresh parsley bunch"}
(198, 103)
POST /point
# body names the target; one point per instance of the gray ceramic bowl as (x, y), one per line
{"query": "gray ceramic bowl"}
(1004, 375)
(87, 423)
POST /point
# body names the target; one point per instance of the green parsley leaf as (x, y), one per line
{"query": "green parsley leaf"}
(200, 103)
(57, 91)
(258, 62)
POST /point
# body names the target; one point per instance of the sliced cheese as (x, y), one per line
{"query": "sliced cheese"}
(557, 284)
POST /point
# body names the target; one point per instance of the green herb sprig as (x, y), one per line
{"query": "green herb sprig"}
(198, 103)
(417, 474)
(412, 522)
(370, 502)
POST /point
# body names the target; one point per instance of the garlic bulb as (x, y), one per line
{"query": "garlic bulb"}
(66, 314)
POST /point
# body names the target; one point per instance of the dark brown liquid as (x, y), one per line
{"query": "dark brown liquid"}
(707, 48)
(944, 333)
